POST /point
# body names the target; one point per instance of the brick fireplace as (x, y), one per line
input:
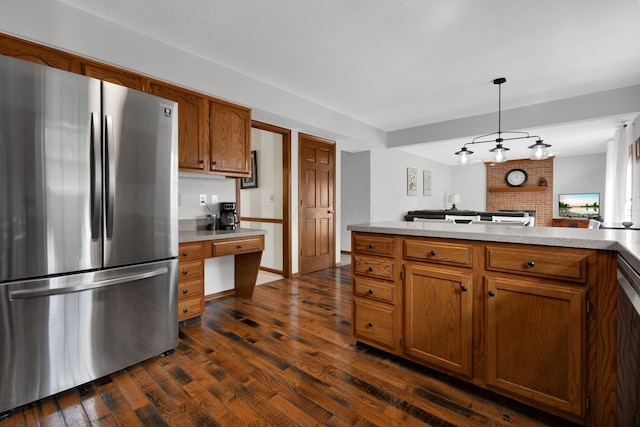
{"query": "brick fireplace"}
(533, 196)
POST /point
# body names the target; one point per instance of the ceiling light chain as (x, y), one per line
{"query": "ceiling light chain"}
(538, 150)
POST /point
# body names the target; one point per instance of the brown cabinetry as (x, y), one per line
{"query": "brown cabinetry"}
(114, 75)
(190, 280)
(534, 323)
(570, 222)
(438, 317)
(32, 52)
(230, 139)
(193, 125)
(536, 341)
(376, 305)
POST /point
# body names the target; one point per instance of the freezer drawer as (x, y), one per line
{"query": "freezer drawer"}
(61, 332)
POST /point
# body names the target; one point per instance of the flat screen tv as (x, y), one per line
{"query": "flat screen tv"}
(579, 205)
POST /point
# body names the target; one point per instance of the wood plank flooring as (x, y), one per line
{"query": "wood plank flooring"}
(284, 358)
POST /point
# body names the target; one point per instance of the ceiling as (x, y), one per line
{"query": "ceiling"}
(405, 63)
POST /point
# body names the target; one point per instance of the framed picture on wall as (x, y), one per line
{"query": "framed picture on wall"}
(252, 181)
(426, 183)
(412, 182)
(637, 147)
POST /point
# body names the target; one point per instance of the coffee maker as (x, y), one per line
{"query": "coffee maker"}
(228, 216)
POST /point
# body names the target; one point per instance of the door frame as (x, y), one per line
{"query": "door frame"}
(286, 194)
(301, 180)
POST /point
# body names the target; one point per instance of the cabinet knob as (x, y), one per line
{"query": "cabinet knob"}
(185, 271)
(214, 163)
(185, 253)
(239, 247)
(184, 291)
(370, 269)
(370, 246)
(370, 291)
(492, 294)
(464, 288)
(433, 253)
(531, 264)
(201, 161)
(370, 324)
(184, 310)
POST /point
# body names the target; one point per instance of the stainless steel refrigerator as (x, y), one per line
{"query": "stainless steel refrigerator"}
(88, 229)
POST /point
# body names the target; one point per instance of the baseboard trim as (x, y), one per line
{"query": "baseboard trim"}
(218, 295)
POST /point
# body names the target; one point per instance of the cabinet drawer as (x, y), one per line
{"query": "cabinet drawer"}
(191, 250)
(374, 267)
(438, 252)
(374, 289)
(375, 245)
(374, 322)
(189, 269)
(564, 264)
(237, 246)
(190, 288)
(190, 307)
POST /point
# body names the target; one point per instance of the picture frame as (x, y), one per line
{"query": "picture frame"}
(252, 181)
(426, 183)
(412, 182)
(637, 148)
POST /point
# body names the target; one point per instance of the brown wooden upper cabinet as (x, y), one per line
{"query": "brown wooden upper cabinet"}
(114, 75)
(27, 51)
(193, 125)
(230, 139)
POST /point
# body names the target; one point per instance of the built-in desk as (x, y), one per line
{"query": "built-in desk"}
(246, 245)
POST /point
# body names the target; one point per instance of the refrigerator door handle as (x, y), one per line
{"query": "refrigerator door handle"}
(110, 173)
(45, 292)
(96, 181)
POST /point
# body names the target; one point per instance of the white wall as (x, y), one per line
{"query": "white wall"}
(355, 201)
(635, 217)
(389, 199)
(470, 181)
(579, 174)
(191, 185)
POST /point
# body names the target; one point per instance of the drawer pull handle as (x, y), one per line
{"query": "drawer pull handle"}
(185, 253)
(370, 269)
(464, 288)
(184, 291)
(184, 310)
(370, 291)
(239, 247)
(370, 246)
(433, 253)
(370, 324)
(531, 264)
(185, 271)
(492, 294)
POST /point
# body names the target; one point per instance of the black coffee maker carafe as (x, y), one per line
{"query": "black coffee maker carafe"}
(228, 216)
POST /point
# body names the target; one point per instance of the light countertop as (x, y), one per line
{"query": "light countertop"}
(625, 242)
(186, 236)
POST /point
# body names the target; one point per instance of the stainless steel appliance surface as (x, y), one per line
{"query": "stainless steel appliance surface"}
(88, 229)
(228, 216)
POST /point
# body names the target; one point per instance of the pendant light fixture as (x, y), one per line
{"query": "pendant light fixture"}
(538, 150)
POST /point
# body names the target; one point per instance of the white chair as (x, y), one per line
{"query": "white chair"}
(465, 218)
(513, 220)
(594, 224)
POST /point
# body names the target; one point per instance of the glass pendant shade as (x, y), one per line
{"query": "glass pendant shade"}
(499, 154)
(464, 156)
(539, 151)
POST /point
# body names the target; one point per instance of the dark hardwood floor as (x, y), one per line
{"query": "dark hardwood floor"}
(284, 358)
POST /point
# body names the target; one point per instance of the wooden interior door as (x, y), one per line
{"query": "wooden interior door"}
(316, 187)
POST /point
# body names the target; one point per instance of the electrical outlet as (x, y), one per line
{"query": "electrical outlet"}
(203, 200)
(214, 198)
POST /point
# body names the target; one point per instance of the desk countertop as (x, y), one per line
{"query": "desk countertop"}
(202, 235)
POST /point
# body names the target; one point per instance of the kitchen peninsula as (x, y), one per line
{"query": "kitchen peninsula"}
(527, 312)
(246, 245)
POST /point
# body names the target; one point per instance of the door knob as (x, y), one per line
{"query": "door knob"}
(331, 211)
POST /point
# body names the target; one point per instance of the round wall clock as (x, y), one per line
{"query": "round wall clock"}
(516, 177)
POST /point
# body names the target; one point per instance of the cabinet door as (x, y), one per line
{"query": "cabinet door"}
(114, 75)
(536, 342)
(192, 125)
(628, 355)
(438, 317)
(230, 139)
(38, 54)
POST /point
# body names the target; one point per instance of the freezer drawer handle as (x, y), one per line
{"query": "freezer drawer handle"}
(43, 292)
